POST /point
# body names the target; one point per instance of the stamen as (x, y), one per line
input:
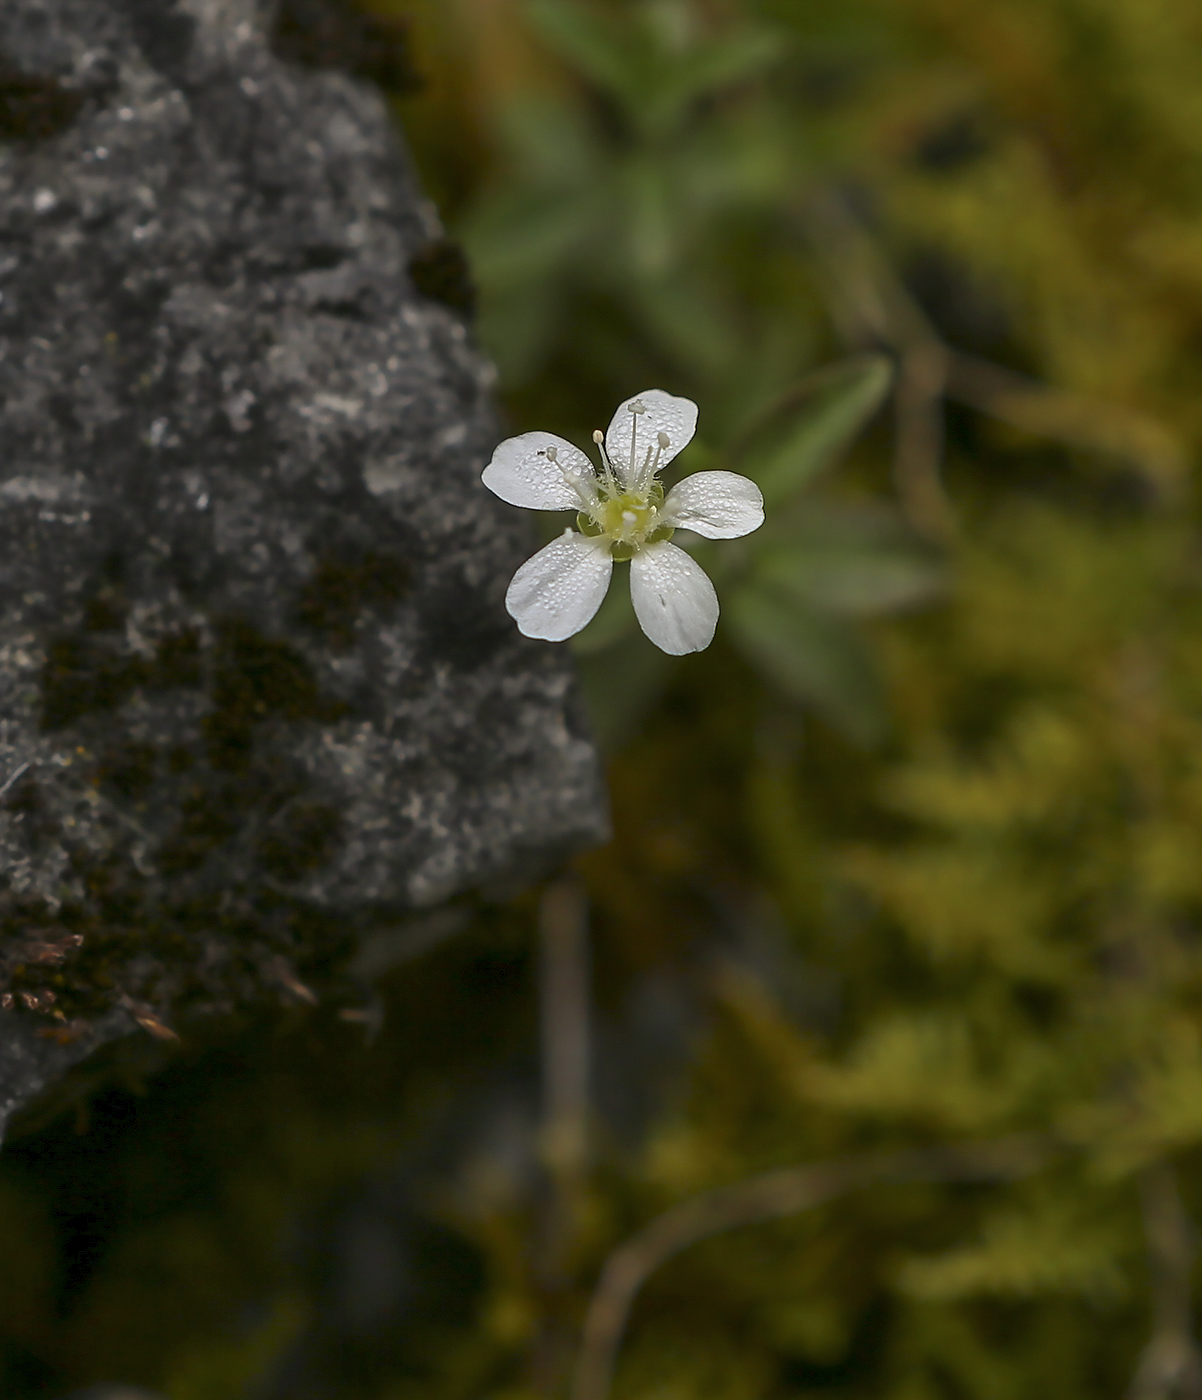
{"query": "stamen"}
(586, 489)
(650, 465)
(599, 439)
(648, 471)
(584, 486)
(663, 443)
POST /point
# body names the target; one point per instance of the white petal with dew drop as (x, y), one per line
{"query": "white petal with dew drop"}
(555, 593)
(673, 599)
(525, 471)
(662, 413)
(718, 505)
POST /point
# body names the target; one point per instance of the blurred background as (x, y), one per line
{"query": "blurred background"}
(909, 860)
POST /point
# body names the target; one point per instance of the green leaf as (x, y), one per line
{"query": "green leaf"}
(594, 43)
(517, 328)
(824, 414)
(621, 683)
(525, 236)
(654, 81)
(858, 585)
(712, 68)
(857, 562)
(649, 217)
(549, 142)
(615, 619)
(688, 322)
(817, 659)
(733, 60)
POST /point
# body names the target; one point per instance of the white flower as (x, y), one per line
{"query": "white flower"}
(622, 514)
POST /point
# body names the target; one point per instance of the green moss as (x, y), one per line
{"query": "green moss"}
(301, 841)
(341, 590)
(34, 107)
(255, 679)
(221, 799)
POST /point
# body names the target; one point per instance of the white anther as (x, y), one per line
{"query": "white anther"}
(552, 454)
(599, 439)
(647, 475)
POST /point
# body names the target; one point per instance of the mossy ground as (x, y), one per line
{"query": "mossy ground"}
(802, 947)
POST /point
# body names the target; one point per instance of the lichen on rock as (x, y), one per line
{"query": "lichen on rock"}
(260, 692)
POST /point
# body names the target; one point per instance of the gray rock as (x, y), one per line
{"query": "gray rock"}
(258, 690)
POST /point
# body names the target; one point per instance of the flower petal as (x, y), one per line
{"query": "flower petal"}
(718, 505)
(673, 599)
(555, 593)
(526, 471)
(649, 413)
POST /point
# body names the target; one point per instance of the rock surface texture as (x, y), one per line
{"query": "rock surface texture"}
(259, 690)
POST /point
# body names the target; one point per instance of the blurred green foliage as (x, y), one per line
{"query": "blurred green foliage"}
(876, 881)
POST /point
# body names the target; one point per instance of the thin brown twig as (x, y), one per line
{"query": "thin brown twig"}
(564, 1013)
(761, 1198)
(1170, 1366)
(872, 309)
(1078, 420)
(564, 1017)
(918, 454)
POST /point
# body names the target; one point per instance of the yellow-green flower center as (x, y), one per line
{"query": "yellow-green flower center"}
(628, 519)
